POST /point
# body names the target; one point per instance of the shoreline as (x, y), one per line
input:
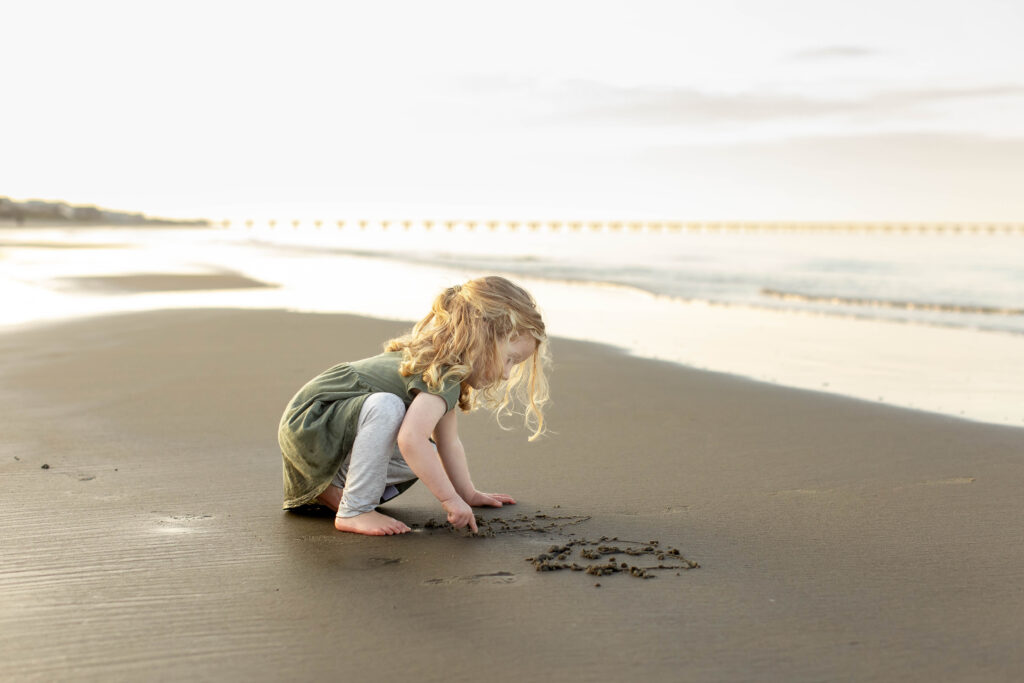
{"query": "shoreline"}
(166, 291)
(171, 284)
(836, 538)
(972, 374)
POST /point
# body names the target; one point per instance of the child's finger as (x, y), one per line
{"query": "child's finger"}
(499, 499)
(472, 523)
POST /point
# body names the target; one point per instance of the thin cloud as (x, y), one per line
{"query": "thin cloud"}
(588, 101)
(834, 52)
(887, 176)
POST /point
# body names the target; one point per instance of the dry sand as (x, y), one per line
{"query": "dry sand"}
(837, 540)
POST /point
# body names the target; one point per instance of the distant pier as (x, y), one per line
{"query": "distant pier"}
(620, 226)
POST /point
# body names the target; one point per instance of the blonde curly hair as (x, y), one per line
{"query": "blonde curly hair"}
(460, 339)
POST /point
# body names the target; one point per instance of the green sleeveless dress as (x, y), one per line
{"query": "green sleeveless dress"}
(319, 425)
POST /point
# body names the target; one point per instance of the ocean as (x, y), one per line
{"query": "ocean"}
(924, 319)
(972, 280)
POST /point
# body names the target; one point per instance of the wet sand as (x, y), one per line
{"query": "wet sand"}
(162, 282)
(143, 536)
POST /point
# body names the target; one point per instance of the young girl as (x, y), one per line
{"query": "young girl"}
(360, 433)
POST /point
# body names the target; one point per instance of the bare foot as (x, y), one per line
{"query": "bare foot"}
(371, 523)
(331, 497)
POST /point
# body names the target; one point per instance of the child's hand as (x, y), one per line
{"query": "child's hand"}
(494, 500)
(459, 513)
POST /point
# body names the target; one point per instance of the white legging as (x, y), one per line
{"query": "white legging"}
(370, 471)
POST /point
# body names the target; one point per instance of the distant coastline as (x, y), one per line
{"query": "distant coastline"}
(41, 213)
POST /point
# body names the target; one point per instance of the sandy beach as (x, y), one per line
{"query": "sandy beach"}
(144, 537)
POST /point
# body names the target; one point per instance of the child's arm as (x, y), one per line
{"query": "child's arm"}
(423, 415)
(453, 457)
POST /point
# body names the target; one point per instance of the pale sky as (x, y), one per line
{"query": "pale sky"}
(868, 110)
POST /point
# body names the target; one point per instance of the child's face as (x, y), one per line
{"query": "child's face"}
(515, 352)
(511, 354)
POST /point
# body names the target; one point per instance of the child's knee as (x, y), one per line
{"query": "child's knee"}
(385, 407)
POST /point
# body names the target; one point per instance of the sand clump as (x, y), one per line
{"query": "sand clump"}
(602, 553)
(538, 523)
(558, 557)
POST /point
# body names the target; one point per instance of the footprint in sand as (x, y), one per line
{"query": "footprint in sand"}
(348, 561)
(179, 524)
(382, 561)
(664, 510)
(493, 578)
(951, 480)
(80, 476)
(799, 492)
